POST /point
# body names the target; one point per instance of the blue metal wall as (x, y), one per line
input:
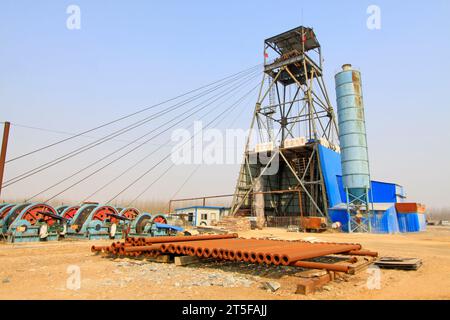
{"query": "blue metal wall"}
(411, 222)
(381, 192)
(382, 221)
(330, 162)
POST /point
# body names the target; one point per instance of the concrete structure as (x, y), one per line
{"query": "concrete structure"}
(202, 215)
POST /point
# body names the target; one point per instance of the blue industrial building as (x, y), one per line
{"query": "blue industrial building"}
(383, 197)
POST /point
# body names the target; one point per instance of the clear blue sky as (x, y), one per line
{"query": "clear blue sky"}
(130, 54)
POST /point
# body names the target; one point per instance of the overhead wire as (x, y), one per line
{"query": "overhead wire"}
(165, 158)
(115, 134)
(153, 137)
(197, 167)
(126, 116)
(136, 164)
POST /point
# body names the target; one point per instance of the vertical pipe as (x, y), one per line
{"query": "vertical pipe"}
(3, 153)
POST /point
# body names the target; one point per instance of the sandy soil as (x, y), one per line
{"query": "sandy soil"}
(44, 271)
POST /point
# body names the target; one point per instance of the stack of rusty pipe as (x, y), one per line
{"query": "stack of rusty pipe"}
(230, 247)
(141, 246)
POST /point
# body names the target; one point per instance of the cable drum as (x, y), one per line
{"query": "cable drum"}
(83, 215)
(141, 223)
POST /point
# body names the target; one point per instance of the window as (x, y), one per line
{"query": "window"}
(204, 216)
(190, 216)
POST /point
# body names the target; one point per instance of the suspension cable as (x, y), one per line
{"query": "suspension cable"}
(153, 137)
(135, 164)
(165, 158)
(197, 167)
(109, 137)
(127, 116)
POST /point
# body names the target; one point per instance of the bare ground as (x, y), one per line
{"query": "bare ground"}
(42, 271)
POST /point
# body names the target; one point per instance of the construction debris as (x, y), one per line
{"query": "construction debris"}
(271, 285)
(310, 285)
(399, 263)
(234, 223)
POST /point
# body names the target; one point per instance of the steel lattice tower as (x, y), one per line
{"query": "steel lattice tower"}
(292, 116)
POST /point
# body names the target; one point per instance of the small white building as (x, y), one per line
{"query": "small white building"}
(202, 215)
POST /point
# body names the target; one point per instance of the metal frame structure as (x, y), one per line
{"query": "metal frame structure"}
(293, 102)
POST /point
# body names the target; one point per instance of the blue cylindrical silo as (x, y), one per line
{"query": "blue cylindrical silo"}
(352, 133)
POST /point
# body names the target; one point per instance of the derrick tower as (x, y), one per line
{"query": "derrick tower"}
(281, 174)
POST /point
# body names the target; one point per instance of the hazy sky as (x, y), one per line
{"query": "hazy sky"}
(131, 54)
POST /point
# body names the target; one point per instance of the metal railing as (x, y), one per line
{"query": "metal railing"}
(282, 221)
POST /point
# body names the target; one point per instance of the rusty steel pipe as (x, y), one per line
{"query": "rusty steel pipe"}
(215, 253)
(206, 253)
(239, 255)
(98, 248)
(189, 238)
(171, 248)
(268, 258)
(292, 255)
(199, 252)
(362, 253)
(141, 249)
(252, 257)
(224, 254)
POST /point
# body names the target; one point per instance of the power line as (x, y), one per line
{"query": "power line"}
(126, 116)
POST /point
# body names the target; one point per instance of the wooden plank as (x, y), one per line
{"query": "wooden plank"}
(311, 273)
(310, 285)
(361, 264)
(186, 260)
(161, 259)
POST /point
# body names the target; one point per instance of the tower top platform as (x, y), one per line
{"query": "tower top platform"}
(299, 39)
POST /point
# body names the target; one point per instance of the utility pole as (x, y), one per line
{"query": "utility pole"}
(3, 153)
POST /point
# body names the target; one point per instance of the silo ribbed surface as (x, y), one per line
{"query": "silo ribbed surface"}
(352, 132)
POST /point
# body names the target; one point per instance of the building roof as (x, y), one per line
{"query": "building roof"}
(202, 207)
(376, 206)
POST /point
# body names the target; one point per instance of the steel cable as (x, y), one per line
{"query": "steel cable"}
(135, 148)
(127, 116)
(165, 158)
(108, 137)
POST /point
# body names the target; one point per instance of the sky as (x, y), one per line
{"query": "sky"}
(130, 54)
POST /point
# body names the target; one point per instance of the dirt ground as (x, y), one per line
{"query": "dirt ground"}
(49, 271)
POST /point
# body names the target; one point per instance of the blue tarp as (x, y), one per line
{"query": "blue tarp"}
(168, 226)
